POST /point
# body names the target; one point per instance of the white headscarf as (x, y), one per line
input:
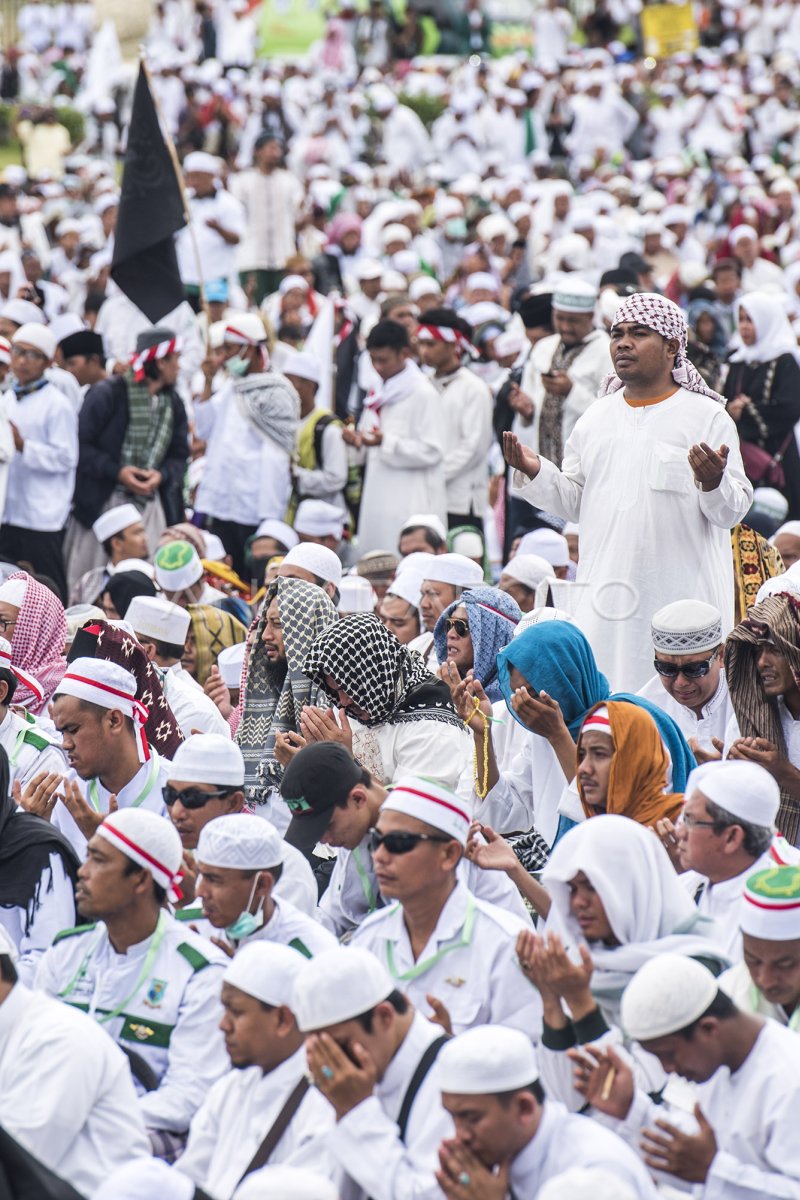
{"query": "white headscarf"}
(774, 333)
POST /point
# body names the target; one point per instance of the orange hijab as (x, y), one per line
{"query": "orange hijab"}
(638, 769)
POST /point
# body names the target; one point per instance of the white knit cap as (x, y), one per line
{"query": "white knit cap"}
(528, 569)
(455, 569)
(107, 685)
(230, 662)
(337, 985)
(686, 627)
(486, 1059)
(244, 329)
(317, 518)
(319, 560)
(266, 970)
(240, 840)
(38, 336)
(431, 802)
(144, 1178)
(178, 566)
(746, 790)
(665, 995)
(405, 585)
(770, 904)
(114, 520)
(24, 677)
(208, 758)
(357, 595)
(427, 521)
(149, 840)
(288, 1183)
(279, 531)
(13, 592)
(153, 617)
(547, 544)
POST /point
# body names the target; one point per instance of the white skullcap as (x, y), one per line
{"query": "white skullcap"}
(279, 531)
(547, 544)
(469, 543)
(114, 520)
(317, 518)
(288, 1183)
(406, 585)
(528, 569)
(431, 802)
(424, 285)
(154, 617)
(395, 233)
(368, 268)
(318, 560)
(65, 324)
(133, 564)
(208, 758)
(426, 521)
(100, 682)
(202, 163)
(23, 312)
(302, 365)
(455, 569)
(487, 1059)
(230, 662)
(587, 1183)
(686, 627)
(178, 566)
(338, 985)
(244, 329)
(510, 341)
(266, 970)
(575, 296)
(770, 904)
(742, 231)
(537, 615)
(144, 1178)
(215, 550)
(38, 336)
(416, 563)
(240, 840)
(743, 789)
(290, 282)
(356, 595)
(13, 592)
(665, 995)
(482, 280)
(792, 528)
(147, 839)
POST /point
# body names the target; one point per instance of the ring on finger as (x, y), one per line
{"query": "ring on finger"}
(326, 1072)
(464, 1179)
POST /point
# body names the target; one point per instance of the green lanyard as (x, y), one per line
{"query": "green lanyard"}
(152, 954)
(140, 799)
(366, 883)
(458, 944)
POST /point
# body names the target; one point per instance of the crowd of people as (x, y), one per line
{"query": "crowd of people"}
(400, 638)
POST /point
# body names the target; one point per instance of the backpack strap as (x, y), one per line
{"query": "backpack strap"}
(417, 1079)
(277, 1130)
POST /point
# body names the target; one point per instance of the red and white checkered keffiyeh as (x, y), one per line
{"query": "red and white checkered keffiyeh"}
(660, 314)
(37, 645)
(445, 333)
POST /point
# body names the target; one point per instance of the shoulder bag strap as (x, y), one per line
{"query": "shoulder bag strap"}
(279, 1127)
(417, 1079)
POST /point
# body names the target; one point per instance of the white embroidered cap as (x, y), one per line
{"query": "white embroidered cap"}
(665, 995)
(686, 627)
(487, 1059)
(240, 840)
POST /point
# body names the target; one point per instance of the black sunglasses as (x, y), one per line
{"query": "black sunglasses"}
(458, 624)
(400, 842)
(192, 797)
(690, 670)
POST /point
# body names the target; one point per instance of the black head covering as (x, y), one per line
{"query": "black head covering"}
(82, 342)
(124, 586)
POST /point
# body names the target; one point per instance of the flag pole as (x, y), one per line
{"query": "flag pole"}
(187, 212)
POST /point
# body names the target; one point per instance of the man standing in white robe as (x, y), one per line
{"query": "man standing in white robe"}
(653, 472)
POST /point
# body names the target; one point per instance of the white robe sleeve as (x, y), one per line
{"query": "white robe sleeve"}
(366, 1145)
(557, 492)
(728, 504)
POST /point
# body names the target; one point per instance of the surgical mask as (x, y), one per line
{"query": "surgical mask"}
(247, 922)
(237, 366)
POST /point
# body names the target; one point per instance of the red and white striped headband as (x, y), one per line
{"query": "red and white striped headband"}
(5, 351)
(598, 722)
(234, 335)
(17, 672)
(161, 873)
(445, 333)
(151, 354)
(83, 687)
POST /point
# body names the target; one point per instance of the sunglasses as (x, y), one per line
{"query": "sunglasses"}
(459, 626)
(400, 842)
(191, 797)
(690, 670)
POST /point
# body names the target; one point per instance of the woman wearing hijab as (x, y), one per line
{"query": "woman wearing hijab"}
(32, 619)
(706, 344)
(394, 715)
(622, 765)
(473, 630)
(121, 589)
(762, 391)
(212, 630)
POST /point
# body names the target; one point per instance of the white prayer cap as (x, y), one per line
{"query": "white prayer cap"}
(201, 163)
(13, 592)
(356, 595)
(23, 312)
(393, 281)
(114, 520)
(103, 683)
(469, 543)
(338, 985)
(78, 614)
(147, 839)
(770, 904)
(537, 615)
(528, 569)
(266, 970)
(743, 789)
(208, 758)
(510, 341)
(302, 365)
(240, 840)
(154, 617)
(668, 993)
(368, 268)
(423, 285)
(230, 662)
(133, 564)
(778, 584)
(395, 233)
(65, 324)
(144, 1178)
(574, 295)
(318, 560)
(790, 527)
(482, 280)
(547, 544)
(291, 282)
(416, 563)
(431, 802)
(288, 1183)
(406, 585)
(178, 566)
(742, 231)
(485, 1060)
(493, 226)
(38, 336)
(244, 329)
(586, 1183)
(103, 203)
(426, 521)
(279, 531)
(455, 569)
(686, 627)
(215, 550)
(317, 518)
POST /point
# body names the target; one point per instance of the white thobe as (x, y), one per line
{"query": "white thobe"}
(468, 407)
(41, 477)
(646, 529)
(586, 371)
(144, 790)
(215, 257)
(271, 202)
(66, 1092)
(716, 713)
(191, 707)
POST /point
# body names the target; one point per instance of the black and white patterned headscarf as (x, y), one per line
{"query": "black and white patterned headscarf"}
(380, 675)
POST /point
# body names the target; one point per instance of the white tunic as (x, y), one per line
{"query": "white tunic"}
(191, 707)
(29, 747)
(144, 790)
(41, 477)
(587, 371)
(468, 407)
(287, 926)
(716, 713)
(647, 532)
(65, 1090)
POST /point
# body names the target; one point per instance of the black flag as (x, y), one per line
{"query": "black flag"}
(145, 265)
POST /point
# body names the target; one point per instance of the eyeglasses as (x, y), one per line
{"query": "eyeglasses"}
(5, 624)
(458, 625)
(690, 670)
(192, 797)
(30, 355)
(692, 822)
(400, 842)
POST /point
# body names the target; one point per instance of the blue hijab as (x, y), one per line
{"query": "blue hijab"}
(555, 657)
(492, 616)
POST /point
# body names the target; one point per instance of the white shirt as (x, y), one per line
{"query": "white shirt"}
(288, 926)
(235, 1117)
(217, 257)
(425, 747)
(144, 790)
(21, 736)
(327, 481)
(716, 713)
(271, 203)
(468, 407)
(41, 477)
(54, 911)
(65, 1090)
(190, 706)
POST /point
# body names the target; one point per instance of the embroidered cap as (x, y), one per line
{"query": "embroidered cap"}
(686, 627)
(575, 296)
(240, 840)
(665, 995)
(149, 840)
(338, 985)
(431, 802)
(178, 566)
(487, 1059)
(770, 905)
(318, 560)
